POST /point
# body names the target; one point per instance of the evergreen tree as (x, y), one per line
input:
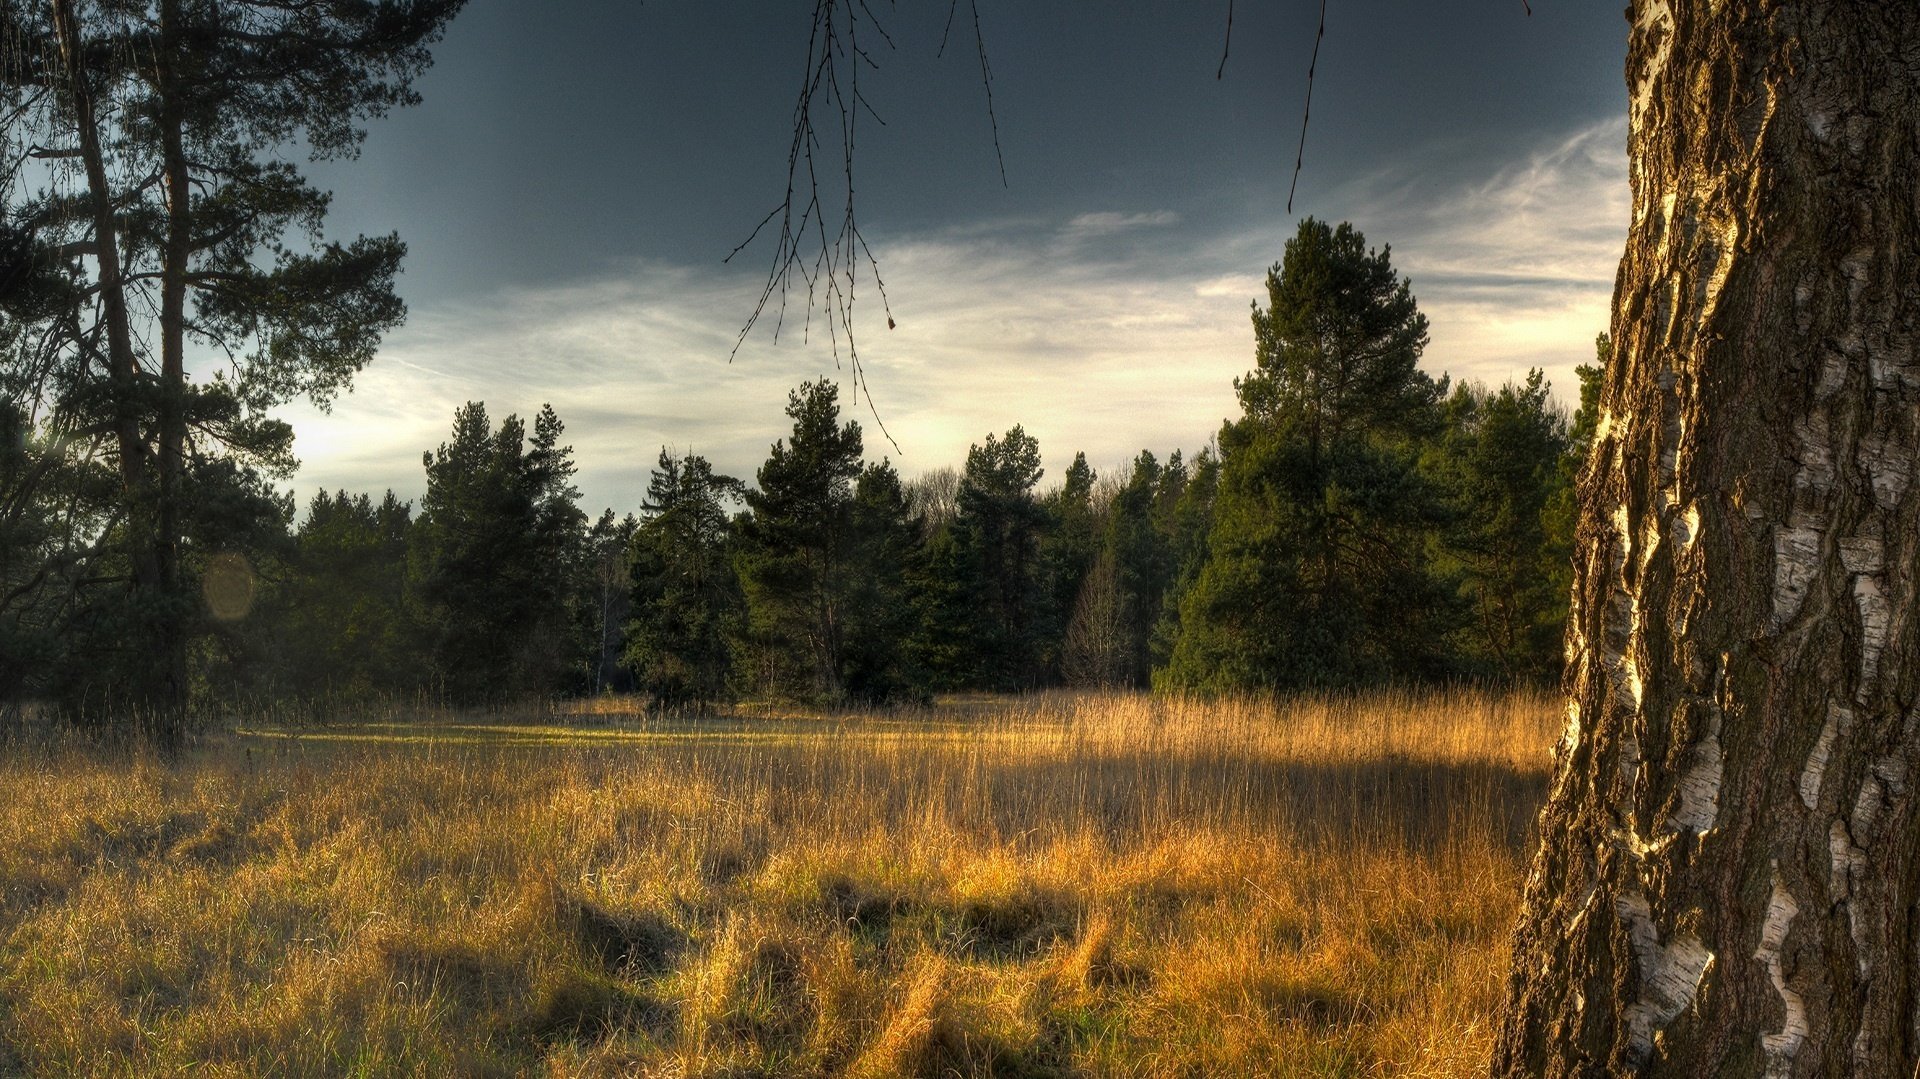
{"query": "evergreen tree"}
(56, 505)
(1317, 573)
(343, 623)
(1502, 456)
(1069, 547)
(609, 587)
(166, 217)
(997, 534)
(237, 543)
(794, 563)
(686, 601)
(495, 554)
(1097, 651)
(887, 553)
(1188, 524)
(943, 647)
(1140, 544)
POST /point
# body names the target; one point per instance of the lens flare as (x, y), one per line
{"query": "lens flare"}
(228, 585)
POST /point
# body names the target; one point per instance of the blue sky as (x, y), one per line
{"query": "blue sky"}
(578, 170)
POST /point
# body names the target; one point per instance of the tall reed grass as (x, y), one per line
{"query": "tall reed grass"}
(1109, 885)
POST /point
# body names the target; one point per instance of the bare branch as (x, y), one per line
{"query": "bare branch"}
(807, 253)
(1228, 47)
(1306, 112)
(986, 80)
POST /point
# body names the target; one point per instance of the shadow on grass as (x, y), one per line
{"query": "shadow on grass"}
(626, 942)
(1419, 805)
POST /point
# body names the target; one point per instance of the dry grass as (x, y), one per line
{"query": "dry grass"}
(1044, 886)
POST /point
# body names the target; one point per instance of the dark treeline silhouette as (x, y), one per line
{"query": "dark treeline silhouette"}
(1359, 523)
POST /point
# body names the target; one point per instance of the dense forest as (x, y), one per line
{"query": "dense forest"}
(1360, 522)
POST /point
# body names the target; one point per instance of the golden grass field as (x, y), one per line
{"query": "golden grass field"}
(1053, 885)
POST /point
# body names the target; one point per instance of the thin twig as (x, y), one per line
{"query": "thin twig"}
(986, 80)
(1228, 47)
(952, 6)
(1306, 113)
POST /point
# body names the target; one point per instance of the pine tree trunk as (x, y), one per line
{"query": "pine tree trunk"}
(1728, 879)
(176, 181)
(150, 709)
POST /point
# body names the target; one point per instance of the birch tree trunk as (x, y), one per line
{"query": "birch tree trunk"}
(1728, 879)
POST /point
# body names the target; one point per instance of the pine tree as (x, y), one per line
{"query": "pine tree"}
(609, 588)
(794, 562)
(686, 601)
(887, 554)
(1316, 572)
(1189, 522)
(997, 535)
(168, 212)
(1069, 547)
(497, 549)
(1502, 458)
(344, 627)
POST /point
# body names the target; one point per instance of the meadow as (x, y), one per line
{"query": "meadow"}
(1052, 885)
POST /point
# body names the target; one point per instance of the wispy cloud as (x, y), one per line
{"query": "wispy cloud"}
(1514, 271)
(1110, 222)
(1106, 347)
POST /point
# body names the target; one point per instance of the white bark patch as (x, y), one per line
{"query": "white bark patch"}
(1863, 1053)
(1848, 862)
(1839, 718)
(1721, 251)
(1819, 122)
(1849, 870)
(1668, 203)
(1863, 554)
(1620, 622)
(1629, 756)
(1867, 808)
(1653, 18)
(1635, 686)
(1856, 269)
(1886, 783)
(1686, 527)
(1876, 614)
(1699, 795)
(1670, 973)
(1781, 1045)
(1570, 737)
(1813, 440)
(1623, 533)
(1891, 365)
(1833, 374)
(1650, 539)
(1673, 426)
(1889, 466)
(1796, 560)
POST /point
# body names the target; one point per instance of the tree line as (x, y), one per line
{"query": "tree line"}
(1361, 522)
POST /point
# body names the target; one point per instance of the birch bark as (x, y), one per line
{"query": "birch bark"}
(1728, 879)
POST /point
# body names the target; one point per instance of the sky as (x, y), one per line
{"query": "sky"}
(578, 171)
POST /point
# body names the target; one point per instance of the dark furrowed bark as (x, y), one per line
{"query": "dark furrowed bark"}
(1727, 882)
